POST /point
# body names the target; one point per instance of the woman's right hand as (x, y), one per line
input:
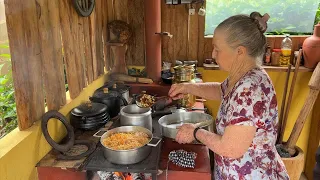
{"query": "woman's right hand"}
(177, 91)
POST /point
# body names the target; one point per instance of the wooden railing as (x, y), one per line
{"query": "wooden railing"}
(48, 38)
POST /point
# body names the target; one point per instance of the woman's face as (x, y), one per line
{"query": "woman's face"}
(222, 52)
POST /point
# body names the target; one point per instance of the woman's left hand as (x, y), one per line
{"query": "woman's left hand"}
(185, 133)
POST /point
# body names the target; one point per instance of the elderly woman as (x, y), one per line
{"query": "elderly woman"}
(247, 120)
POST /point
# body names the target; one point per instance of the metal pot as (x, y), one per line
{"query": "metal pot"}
(122, 89)
(132, 115)
(131, 156)
(112, 99)
(167, 121)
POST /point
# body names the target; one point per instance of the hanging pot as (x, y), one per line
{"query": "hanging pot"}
(311, 48)
(112, 99)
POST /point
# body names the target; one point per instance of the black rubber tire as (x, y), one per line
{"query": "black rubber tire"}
(70, 136)
(80, 11)
(91, 147)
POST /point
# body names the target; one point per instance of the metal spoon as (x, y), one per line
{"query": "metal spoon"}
(156, 100)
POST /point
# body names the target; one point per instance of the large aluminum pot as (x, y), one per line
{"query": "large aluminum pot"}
(132, 115)
(169, 123)
(131, 156)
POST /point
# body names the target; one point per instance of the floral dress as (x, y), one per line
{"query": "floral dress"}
(252, 102)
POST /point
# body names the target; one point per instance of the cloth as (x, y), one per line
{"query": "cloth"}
(183, 158)
(251, 102)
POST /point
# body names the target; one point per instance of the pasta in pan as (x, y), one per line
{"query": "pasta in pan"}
(126, 140)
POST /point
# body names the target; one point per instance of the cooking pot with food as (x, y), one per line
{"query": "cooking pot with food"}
(128, 144)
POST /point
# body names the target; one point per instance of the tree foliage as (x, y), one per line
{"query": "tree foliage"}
(286, 16)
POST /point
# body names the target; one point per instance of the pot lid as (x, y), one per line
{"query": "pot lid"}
(105, 93)
(89, 109)
(121, 88)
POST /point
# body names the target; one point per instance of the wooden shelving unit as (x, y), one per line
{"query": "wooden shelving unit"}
(267, 68)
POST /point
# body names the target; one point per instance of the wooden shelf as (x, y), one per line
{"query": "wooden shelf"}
(267, 68)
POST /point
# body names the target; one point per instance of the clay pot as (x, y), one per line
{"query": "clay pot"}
(295, 165)
(311, 48)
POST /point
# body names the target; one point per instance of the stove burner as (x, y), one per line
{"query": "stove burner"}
(89, 144)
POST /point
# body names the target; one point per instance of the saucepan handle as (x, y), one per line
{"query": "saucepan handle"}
(99, 133)
(154, 142)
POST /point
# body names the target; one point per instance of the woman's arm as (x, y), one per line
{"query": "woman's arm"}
(233, 144)
(210, 90)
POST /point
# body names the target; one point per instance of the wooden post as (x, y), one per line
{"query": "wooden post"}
(22, 23)
(314, 139)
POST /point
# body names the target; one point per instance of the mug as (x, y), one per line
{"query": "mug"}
(202, 11)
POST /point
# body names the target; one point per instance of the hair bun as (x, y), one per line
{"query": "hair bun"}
(261, 21)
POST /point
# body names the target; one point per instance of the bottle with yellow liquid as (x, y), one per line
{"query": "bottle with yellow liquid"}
(286, 46)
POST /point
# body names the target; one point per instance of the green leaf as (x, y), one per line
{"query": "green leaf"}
(3, 81)
(1, 66)
(3, 46)
(290, 27)
(5, 55)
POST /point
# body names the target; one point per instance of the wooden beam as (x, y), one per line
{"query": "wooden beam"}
(98, 36)
(92, 22)
(51, 53)
(22, 23)
(267, 68)
(88, 50)
(110, 17)
(167, 15)
(136, 46)
(193, 33)
(105, 12)
(201, 39)
(72, 55)
(180, 32)
(121, 10)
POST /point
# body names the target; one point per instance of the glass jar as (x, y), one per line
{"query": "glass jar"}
(275, 58)
(185, 74)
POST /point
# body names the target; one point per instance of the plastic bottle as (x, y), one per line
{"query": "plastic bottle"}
(286, 47)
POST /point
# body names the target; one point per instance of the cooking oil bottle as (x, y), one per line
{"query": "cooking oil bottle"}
(286, 46)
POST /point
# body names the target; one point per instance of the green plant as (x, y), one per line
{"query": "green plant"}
(317, 19)
(287, 16)
(8, 114)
